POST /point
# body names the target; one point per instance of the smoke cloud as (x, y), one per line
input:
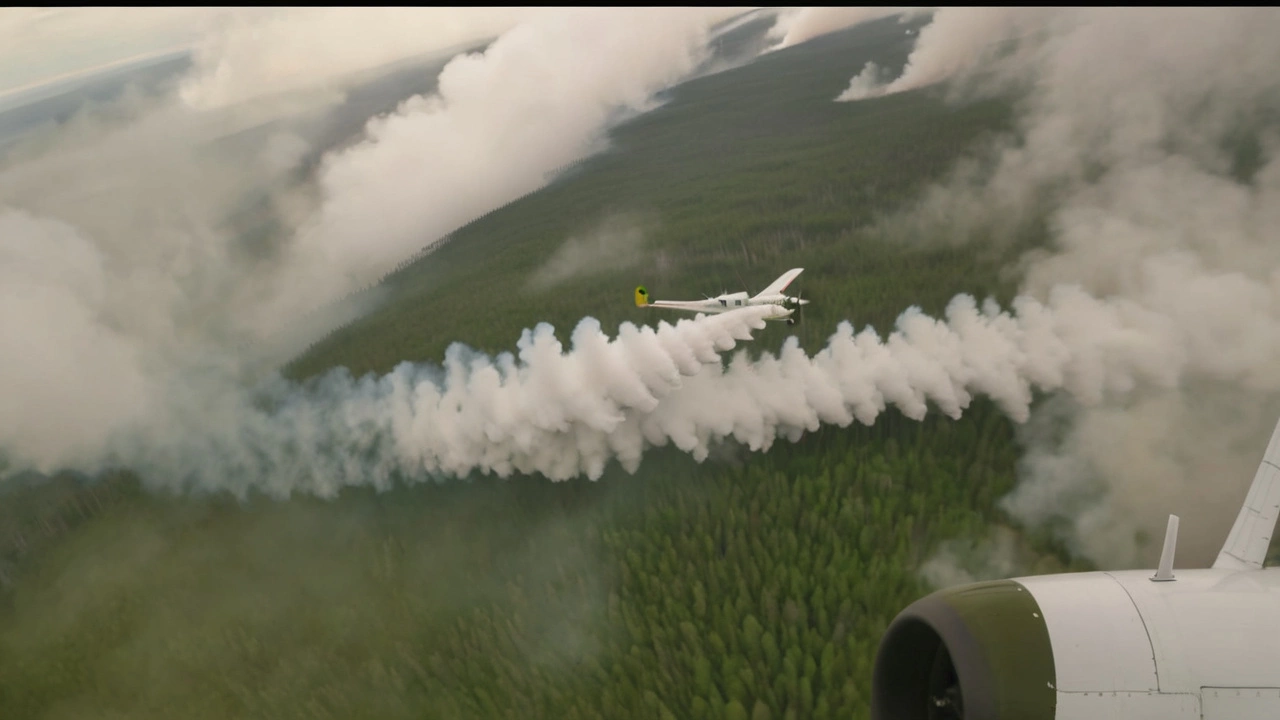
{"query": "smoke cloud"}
(862, 84)
(118, 266)
(52, 286)
(549, 412)
(616, 242)
(958, 562)
(199, 238)
(536, 100)
(957, 40)
(796, 25)
(566, 414)
(1147, 139)
(269, 52)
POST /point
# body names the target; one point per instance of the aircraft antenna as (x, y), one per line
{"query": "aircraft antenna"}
(1165, 571)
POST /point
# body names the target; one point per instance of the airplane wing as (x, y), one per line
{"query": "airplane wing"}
(781, 283)
(1250, 537)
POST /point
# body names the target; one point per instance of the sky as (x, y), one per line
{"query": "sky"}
(42, 45)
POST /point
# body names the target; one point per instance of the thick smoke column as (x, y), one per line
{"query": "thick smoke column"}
(958, 40)
(1145, 144)
(541, 96)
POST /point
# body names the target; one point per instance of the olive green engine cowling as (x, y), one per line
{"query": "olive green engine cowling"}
(973, 652)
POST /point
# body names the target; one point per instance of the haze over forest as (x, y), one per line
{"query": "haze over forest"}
(325, 393)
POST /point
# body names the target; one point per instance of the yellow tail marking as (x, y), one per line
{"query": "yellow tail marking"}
(642, 296)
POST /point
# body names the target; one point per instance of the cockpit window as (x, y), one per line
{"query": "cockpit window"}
(724, 304)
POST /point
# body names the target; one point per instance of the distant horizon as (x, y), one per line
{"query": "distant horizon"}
(49, 46)
(36, 91)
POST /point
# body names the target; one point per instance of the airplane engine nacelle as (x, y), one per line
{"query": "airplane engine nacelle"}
(1086, 646)
(974, 651)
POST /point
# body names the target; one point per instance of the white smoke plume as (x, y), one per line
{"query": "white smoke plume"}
(1149, 137)
(57, 406)
(862, 84)
(955, 41)
(181, 220)
(550, 412)
(118, 269)
(536, 100)
(962, 561)
(566, 414)
(796, 25)
(274, 51)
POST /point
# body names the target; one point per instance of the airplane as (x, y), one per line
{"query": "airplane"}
(1193, 645)
(783, 305)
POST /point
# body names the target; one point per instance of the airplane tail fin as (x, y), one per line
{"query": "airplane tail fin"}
(642, 296)
(777, 286)
(1250, 538)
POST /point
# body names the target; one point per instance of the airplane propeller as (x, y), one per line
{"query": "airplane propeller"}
(797, 302)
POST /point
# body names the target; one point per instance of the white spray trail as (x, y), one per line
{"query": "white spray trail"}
(565, 414)
(550, 412)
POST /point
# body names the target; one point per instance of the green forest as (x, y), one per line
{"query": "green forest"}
(747, 586)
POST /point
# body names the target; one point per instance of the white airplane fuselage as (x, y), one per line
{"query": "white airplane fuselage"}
(1168, 644)
(781, 306)
(1201, 645)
